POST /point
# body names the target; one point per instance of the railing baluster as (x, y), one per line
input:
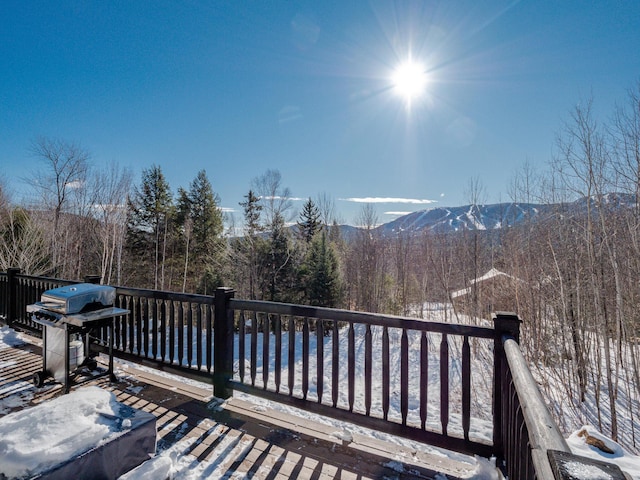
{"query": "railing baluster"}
(444, 383)
(172, 331)
(163, 330)
(266, 329)
(132, 324)
(154, 328)
(199, 333)
(291, 359)
(424, 379)
(466, 387)
(254, 347)
(351, 354)
(145, 327)
(385, 372)
(190, 334)
(305, 357)
(335, 363)
(242, 327)
(404, 375)
(320, 358)
(209, 337)
(277, 370)
(368, 368)
(136, 334)
(180, 333)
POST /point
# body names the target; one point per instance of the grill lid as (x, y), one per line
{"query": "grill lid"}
(81, 297)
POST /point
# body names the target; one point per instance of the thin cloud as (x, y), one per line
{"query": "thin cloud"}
(413, 201)
(278, 197)
(398, 214)
(290, 113)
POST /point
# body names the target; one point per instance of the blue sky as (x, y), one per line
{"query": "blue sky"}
(304, 87)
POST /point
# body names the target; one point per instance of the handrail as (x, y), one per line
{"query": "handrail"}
(531, 422)
(365, 318)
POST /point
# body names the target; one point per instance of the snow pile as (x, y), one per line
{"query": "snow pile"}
(38, 438)
(9, 337)
(586, 472)
(627, 462)
(18, 392)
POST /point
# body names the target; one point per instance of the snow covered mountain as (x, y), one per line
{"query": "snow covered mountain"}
(468, 217)
(494, 216)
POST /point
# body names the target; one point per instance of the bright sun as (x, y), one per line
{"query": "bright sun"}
(409, 80)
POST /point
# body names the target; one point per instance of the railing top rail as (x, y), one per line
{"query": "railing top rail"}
(544, 434)
(44, 279)
(166, 295)
(361, 317)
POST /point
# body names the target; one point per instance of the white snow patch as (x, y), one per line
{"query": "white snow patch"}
(40, 437)
(627, 462)
(9, 337)
(586, 472)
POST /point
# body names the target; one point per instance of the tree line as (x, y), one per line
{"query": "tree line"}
(577, 270)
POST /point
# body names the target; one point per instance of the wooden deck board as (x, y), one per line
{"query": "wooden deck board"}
(236, 437)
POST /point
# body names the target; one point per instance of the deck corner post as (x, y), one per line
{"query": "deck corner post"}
(222, 342)
(12, 295)
(507, 323)
(504, 323)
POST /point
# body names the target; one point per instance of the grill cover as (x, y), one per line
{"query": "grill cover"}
(78, 298)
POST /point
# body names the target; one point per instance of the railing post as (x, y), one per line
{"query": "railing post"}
(12, 295)
(95, 279)
(222, 343)
(504, 323)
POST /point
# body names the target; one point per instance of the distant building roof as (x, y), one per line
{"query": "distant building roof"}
(491, 274)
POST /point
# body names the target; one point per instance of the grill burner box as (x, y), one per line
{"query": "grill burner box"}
(69, 315)
(78, 298)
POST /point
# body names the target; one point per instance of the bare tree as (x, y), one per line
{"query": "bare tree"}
(64, 170)
(22, 244)
(585, 160)
(365, 271)
(327, 208)
(111, 186)
(275, 199)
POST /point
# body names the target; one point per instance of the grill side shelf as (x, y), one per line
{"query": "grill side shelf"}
(85, 319)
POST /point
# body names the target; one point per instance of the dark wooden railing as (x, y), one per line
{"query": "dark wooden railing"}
(271, 335)
(249, 346)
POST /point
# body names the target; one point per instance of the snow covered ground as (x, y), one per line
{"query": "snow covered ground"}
(171, 463)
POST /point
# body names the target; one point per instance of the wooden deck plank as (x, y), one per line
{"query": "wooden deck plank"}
(237, 438)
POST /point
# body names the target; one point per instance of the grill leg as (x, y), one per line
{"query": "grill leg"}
(67, 366)
(112, 376)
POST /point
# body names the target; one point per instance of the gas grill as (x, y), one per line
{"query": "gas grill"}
(69, 315)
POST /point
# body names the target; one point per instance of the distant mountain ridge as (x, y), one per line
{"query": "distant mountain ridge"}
(490, 217)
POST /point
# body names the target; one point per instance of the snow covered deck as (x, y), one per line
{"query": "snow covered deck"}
(198, 438)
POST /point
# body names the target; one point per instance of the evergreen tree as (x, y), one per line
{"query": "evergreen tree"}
(248, 247)
(202, 229)
(309, 222)
(149, 227)
(279, 262)
(323, 286)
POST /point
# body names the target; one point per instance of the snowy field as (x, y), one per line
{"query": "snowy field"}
(172, 464)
